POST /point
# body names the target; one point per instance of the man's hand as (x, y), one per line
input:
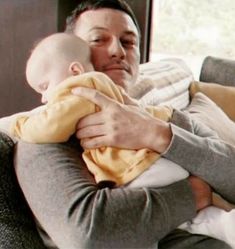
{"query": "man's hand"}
(202, 192)
(127, 99)
(119, 125)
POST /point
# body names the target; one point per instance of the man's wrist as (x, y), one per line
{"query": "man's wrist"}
(162, 137)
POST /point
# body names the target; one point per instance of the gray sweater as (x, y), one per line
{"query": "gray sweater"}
(77, 214)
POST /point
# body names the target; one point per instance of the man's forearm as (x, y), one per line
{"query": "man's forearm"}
(76, 214)
(203, 155)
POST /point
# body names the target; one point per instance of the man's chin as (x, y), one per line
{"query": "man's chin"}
(119, 79)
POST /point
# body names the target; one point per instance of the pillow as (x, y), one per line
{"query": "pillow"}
(17, 227)
(207, 112)
(165, 82)
(223, 96)
(218, 70)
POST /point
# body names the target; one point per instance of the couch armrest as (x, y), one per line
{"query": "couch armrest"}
(218, 70)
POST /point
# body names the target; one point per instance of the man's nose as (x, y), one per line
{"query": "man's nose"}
(116, 49)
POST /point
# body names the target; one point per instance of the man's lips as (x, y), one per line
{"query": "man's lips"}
(116, 68)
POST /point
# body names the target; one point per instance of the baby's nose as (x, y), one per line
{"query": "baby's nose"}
(44, 99)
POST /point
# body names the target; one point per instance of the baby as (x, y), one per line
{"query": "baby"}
(60, 63)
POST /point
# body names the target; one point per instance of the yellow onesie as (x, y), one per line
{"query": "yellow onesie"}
(57, 122)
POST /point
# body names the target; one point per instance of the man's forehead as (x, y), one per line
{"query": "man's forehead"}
(106, 19)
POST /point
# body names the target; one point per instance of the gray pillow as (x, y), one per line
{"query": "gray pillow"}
(218, 70)
(17, 227)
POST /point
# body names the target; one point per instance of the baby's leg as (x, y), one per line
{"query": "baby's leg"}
(214, 222)
(162, 173)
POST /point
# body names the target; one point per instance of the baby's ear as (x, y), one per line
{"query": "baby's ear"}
(76, 68)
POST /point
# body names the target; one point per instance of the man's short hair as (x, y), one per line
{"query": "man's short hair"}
(86, 5)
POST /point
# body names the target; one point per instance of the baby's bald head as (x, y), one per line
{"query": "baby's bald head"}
(54, 56)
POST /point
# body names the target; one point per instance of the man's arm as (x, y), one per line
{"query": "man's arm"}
(76, 214)
(194, 146)
(202, 154)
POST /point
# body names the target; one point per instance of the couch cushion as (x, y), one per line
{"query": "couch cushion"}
(218, 70)
(17, 227)
(165, 82)
(223, 96)
(207, 112)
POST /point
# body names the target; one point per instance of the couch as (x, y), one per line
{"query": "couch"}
(17, 227)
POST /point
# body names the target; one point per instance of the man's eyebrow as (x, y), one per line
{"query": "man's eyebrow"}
(97, 28)
(127, 32)
(132, 33)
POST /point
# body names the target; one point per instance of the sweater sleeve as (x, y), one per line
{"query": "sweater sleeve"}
(203, 154)
(56, 123)
(77, 214)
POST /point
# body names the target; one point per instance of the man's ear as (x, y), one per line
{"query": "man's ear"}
(76, 68)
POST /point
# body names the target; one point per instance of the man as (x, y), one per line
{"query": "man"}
(65, 199)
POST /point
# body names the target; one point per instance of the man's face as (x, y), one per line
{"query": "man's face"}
(114, 42)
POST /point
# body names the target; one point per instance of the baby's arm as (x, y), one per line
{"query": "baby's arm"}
(6, 122)
(59, 119)
(54, 124)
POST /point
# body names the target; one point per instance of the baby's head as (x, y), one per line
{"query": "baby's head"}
(55, 58)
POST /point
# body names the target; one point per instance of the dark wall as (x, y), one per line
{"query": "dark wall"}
(143, 12)
(22, 22)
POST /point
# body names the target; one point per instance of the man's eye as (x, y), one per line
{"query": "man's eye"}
(97, 40)
(128, 43)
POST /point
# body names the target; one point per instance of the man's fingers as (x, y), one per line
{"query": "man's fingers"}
(91, 131)
(93, 95)
(91, 119)
(96, 142)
